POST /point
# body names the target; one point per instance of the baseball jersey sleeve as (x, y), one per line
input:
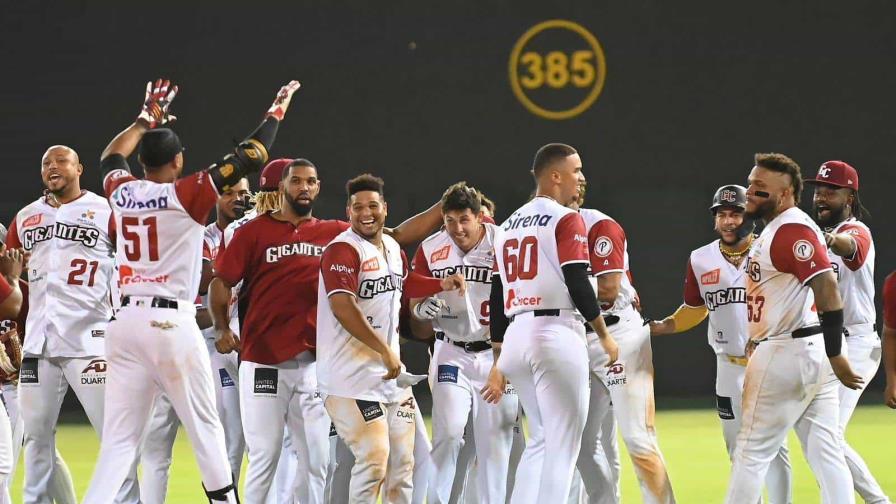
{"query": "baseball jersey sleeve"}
(340, 266)
(795, 249)
(12, 235)
(862, 238)
(692, 296)
(231, 263)
(606, 241)
(115, 171)
(197, 194)
(889, 299)
(572, 240)
(5, 289)
(418, 285)
(421, 265)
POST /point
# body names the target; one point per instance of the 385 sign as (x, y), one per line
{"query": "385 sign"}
(557, 69)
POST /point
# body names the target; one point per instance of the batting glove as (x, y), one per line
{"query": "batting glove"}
(155, 105)
(281, 102)
(428, 309)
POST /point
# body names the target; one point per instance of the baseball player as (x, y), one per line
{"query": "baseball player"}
(838, 210)
(155, 454)
(68, 232)
(363, 275)
(715, 286)
(462, 358)
(790, 379)
(889, 339)
(155, 344)
(540, 294)
(11, 263)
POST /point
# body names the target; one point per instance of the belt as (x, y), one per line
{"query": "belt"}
(736, 359)
(468, 346)
(542, 313)
(609, 320)
(806, 332)
(857, 329)
(155, 302)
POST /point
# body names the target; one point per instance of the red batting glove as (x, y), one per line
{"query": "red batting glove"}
(281, 102)
(155, 105)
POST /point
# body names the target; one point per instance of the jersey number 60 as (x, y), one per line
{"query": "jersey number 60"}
(521, 258)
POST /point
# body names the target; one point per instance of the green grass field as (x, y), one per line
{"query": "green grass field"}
(690, 439)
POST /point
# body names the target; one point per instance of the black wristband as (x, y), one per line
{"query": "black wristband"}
(498, 321)
(580, 290)
(832, 328)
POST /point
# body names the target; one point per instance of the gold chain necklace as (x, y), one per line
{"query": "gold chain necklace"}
(737, 254)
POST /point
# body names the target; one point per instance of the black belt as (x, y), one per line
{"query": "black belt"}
(157, 302)
(609, 320)
(469, 346)
(541, 313)
(806, 332)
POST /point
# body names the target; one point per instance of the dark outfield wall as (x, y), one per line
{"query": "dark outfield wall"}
(419, 93)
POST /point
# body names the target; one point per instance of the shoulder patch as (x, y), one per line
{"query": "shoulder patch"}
(603, 247)
(803, 250)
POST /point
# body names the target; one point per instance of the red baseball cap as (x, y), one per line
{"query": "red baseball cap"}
(272, 173)
(836, 173)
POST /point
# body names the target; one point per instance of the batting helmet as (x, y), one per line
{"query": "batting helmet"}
(730, 195)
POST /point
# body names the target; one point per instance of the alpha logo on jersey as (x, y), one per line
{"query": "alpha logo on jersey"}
(514, 300)
(519, 221)
(274, 254)
(370, 288)
(725, 296)
(603, 247)
(124, 198)
(341, 268)
(616, 374)
(28, 372)
(226, 380)
(370, 410)
(128, 276)
(89, 236)
(266, 381)
(440, 255)
(481, 274)
(32, 221)
(447, 374)
(803, 250)
(371, 264)
(723, 405)
(94, 373)
(710, 277)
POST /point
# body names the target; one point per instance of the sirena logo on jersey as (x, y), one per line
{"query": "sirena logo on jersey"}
(480, 274)
(129, 276)
(94, 373)
(124, 198)
(725, 296)
(88, 236)
(519, 221)
(274, 254)
(370, 288)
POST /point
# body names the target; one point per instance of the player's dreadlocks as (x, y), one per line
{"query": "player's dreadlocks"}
(266, 201)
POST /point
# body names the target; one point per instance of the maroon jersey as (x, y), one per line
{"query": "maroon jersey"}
(278, 264)
(890, 301)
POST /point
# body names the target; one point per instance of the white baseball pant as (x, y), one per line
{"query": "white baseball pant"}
(457, 376)
(864, 356)
(630, 385)
(423, 467)
(729, 394)
(6, 452)
(43, 384)
(154, 351)
(285, 488)
(790, 384)
(465, 489)
(546, 360)
(225, 376)
(599, 480)
(381, 437)
(155, 454)
(61, 488)
(274, 397)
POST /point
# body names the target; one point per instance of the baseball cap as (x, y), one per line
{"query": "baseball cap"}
(159, 146)
(272, 173)
(836, 173)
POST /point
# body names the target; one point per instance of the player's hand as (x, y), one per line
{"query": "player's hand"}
(494, 386)
(392, 363)
(890, 395)
(281, 101)
(455, 282)
(659, 327)
(845, 373)
(12, 261)
(749, 348)
(636, 302)
(428, 309)
(609, 345)
(155, 105)
(227, 341)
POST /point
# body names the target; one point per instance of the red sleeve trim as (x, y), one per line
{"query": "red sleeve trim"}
(606, 243)
(197, 194)
(418, 286)
(572, 240)
(340, 266)
(862, 239)
(230, 265)
(115, 178)
(12, 234)
(5, 289)
(889, 299)
(421, 264)
(795, 249)
(692, 296)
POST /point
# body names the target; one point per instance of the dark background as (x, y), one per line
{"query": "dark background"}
(418, 93)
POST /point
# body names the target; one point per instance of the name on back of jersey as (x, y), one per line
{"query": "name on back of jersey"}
(124, 198)
(88, 236)
(524, 221)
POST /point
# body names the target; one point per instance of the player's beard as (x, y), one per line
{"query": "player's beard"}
(835, 216)
(301, 209)
(763, 210)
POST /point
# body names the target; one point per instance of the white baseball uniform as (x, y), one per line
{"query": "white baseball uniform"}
(712, 281)
(69, 273)
(855, 277)
(460, 366)
(789, 381)
(154, 345)
(544, 353)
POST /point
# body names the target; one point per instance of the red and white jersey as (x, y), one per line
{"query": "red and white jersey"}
(608, 253)
(69, 274)
(161, 228)
(714, 282)
(211, 244)
(788, 253)
(531, 247)
(463, 318)
(889, 300)
(855, 275)
(345, 366)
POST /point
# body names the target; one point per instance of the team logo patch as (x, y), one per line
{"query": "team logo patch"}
(603, 247)
(370, 410)
(447, 374)
(440, 255)
(371, 264)
(803, 250)
(94, 373)
(616, 374)
(226, 380)
(266, 381)
(28, 373)
(407, 410)
(710, 277)
(726, 411)
(728, 196)
(824, 171)
(34, 220)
